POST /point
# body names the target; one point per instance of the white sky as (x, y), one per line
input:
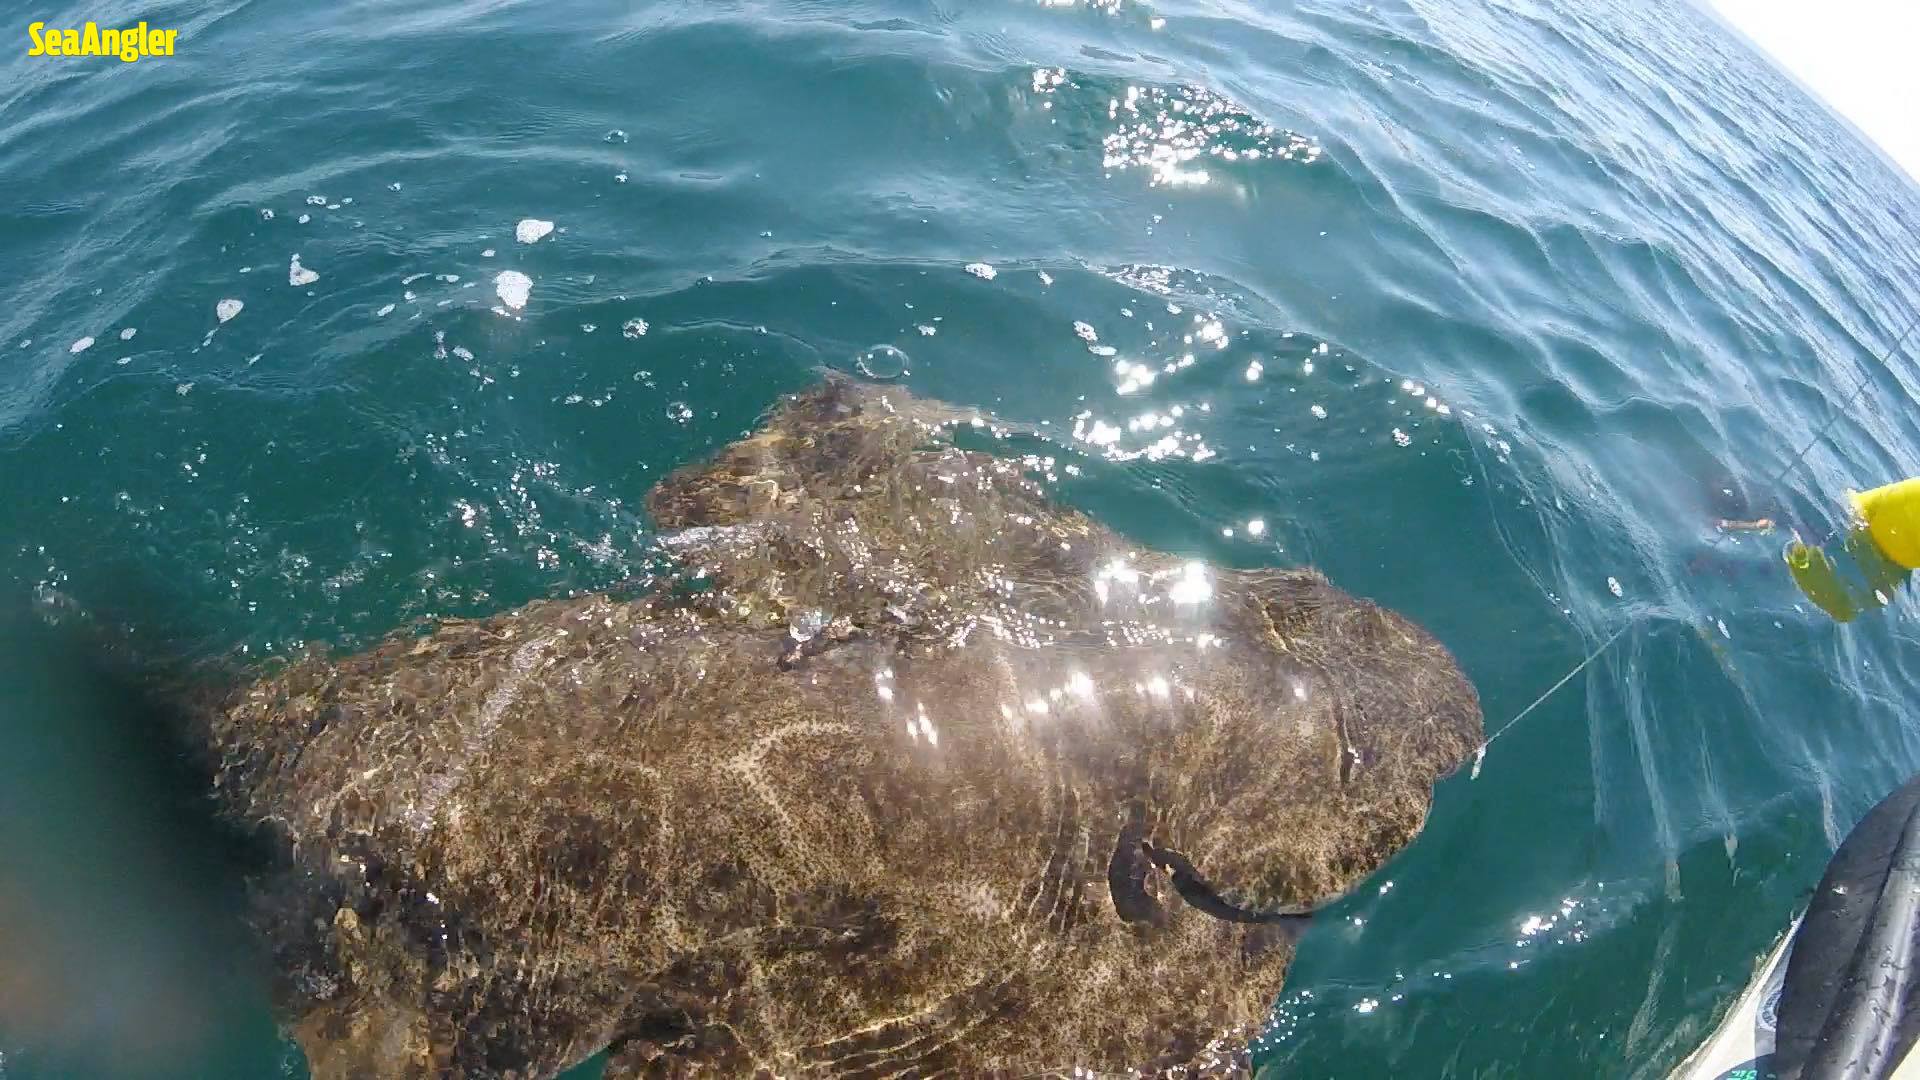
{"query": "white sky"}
(1856, 54)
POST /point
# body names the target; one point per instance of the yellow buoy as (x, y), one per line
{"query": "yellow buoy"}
(1892, 514)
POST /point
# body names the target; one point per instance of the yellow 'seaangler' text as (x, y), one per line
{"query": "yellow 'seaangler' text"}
(129, 45)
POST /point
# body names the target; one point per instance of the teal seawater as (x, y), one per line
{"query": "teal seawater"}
(1636, 265)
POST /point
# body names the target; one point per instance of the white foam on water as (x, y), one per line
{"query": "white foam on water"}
(1085, 332)
(463, 353)
(983, 271)
(384, 311)
(530, 230)
(925, 330)
(304, 218)
(127, 334)
(227, 309)
(619, 178)
(81, 346)
(1046, 278)
(411, 278)
(395, 186)
(298, 275)
(448, 278)
(513, 288)
(316, 200)
(487, 254)
(634, 328)
(266, 214)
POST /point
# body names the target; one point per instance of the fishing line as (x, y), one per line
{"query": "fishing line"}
(1798, 458)
(1480, 754)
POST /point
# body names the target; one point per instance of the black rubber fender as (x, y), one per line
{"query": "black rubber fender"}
(1849, 1006)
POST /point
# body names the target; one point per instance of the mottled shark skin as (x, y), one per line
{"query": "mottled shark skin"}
(933, 777)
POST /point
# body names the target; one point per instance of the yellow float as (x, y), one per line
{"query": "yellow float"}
(1882, 545)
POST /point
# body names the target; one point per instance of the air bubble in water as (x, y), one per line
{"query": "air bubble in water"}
(882, 362)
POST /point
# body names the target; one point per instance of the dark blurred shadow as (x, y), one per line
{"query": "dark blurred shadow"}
(123, 944)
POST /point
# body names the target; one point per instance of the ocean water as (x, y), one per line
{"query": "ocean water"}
(1487, 308)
